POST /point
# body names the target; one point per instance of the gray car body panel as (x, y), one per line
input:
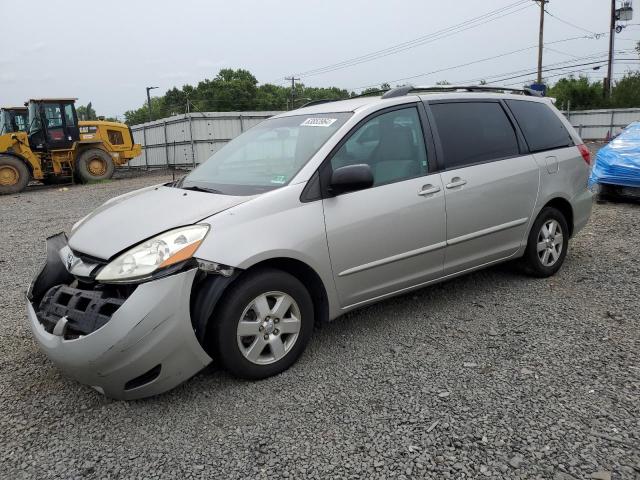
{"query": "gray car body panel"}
(274, 225)
(120, 224)
(359, 245)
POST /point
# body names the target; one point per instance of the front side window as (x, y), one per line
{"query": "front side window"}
(267, 156)
(34, 119)
(392, 144)
(542, 128)
(68, 115)
(473, 132)
(5, 122)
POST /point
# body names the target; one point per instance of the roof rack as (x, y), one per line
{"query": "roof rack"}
(407, 89)
(327, 100)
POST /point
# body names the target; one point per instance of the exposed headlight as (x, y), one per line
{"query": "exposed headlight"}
(154, 254)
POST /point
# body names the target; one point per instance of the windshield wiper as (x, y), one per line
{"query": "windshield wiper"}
(196, 188)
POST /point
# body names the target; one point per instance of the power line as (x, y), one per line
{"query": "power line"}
(582, 70)
(587, 57)
(561, 52)
(557, 68)
(596, 35)
(467, 63)
(431, 37)
(527, 72)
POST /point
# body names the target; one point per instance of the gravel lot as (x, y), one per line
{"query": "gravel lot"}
(493, 375)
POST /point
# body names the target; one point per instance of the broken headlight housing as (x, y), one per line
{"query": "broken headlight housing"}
(157, 253)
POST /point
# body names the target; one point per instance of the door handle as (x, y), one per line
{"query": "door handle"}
(456, 182)
(428, 190)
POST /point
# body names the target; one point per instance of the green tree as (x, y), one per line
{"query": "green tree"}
(231, 90)
(580, 92)
(626, 91)
(86, 112)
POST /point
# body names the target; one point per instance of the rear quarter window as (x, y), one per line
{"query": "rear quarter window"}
(542, 128)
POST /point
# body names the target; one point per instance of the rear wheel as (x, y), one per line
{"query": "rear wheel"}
(94, 165)
(547, 244)
(263, 324)
(14, 175)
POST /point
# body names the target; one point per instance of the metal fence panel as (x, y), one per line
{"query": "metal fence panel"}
(186, 140)
(602, 124)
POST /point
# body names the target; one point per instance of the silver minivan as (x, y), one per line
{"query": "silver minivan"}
(306, 216)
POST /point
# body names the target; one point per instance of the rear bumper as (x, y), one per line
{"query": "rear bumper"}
(146, 348)
(127, 155)
(582, 205)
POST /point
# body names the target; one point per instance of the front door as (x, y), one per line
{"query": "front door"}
(391, 236)
(490, 183)
(60, 124)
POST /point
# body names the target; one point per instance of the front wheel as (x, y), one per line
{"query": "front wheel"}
(263, 324)
(14, 175)
(547, 243)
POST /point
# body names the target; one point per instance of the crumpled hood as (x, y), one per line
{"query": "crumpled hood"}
(125, 221)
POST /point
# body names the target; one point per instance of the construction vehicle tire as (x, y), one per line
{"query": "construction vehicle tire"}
(94, 165)
(14, 175)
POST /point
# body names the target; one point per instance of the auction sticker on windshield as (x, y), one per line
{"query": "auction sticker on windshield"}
(279, 179)
(318, 122)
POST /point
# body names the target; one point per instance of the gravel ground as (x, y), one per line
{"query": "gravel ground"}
(493, 375)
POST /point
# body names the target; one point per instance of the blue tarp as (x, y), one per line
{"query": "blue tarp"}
(618, 163)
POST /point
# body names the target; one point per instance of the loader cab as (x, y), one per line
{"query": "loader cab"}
(13, 119)
(53, 124)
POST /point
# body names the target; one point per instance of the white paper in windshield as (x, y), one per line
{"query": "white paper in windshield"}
(318, 122)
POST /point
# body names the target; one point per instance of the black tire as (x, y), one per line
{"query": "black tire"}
(94, 165)
(228, 314)
(14, 175)
(532, 262)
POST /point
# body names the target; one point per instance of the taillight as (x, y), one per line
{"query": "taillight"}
(586, 154)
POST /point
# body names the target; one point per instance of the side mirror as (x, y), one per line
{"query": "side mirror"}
(351, 178)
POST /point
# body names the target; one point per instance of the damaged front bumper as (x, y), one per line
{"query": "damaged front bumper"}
(135, 346)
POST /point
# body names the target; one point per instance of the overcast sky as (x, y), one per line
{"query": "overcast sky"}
(108, 52)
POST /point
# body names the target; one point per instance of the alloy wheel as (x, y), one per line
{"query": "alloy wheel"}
(268, 328)
(550, 243)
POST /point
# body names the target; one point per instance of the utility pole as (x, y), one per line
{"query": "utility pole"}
(149, 101)
(293, 89)
(541, 39)
(612, 35)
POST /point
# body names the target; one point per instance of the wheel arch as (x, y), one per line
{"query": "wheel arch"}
(206, 295)
(22, 159)
(564, 206)
(309, 278)
(85, 145)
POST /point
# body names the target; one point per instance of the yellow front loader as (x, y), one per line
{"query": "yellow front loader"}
(57, 147)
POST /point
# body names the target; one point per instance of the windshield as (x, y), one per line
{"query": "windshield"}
(265, 157)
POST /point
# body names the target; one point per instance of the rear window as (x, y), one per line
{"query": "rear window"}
(474, 132)
(542, 128)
